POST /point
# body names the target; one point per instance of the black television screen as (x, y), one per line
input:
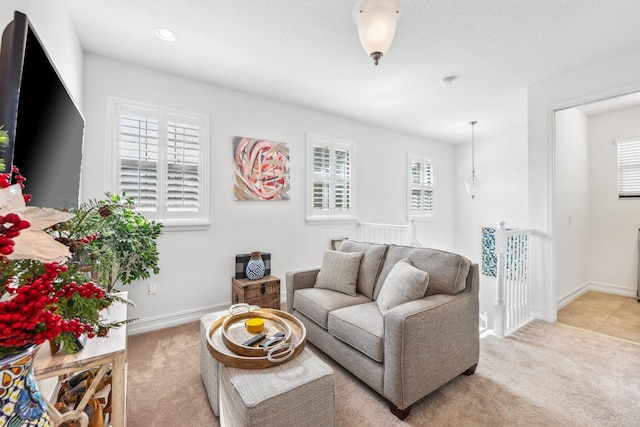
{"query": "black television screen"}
(46, 129)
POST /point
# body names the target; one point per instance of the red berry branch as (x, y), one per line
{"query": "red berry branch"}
(31, 317)
(44, 300)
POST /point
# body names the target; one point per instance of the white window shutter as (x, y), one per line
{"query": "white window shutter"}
(628, 168)
(342, 180)
(420, 186)
(416, 170)
(139, 152)
(330, 179)
(183, 183)
(321, 176)
(428, 174)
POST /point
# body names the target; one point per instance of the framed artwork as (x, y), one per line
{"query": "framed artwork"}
(261, 169)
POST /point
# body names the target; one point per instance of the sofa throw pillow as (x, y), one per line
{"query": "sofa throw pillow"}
(403, 284)
(339, 271)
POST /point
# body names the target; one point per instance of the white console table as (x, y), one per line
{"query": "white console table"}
(104, 353)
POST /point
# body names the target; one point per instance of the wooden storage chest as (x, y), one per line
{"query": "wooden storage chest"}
(264, 292)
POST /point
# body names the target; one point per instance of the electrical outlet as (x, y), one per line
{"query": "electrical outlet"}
(152, 288)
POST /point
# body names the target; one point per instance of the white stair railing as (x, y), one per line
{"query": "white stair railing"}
(511, 310)
(389, 234)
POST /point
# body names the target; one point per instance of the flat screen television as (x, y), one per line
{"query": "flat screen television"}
(45, 127)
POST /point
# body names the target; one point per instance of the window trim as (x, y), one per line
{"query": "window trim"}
(198, 221)
(315, 217)
(410, 185)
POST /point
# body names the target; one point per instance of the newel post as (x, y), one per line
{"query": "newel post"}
(499, 312)
(412, 232)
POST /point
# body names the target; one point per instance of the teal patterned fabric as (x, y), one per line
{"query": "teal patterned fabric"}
(516, 257)
(489, 258)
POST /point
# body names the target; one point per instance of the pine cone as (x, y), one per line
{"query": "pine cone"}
(105, 211)
(64, 241)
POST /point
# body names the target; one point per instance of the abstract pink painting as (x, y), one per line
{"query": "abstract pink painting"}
(261, 169)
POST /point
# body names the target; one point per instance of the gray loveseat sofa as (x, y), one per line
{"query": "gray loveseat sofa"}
(414, 347)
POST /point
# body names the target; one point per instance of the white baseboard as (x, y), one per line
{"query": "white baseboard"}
(539, 314)
(607, 288)
(570, 296)
(613, 289)
(172, 319)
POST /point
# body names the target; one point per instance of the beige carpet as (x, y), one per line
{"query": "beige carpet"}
(543, 375)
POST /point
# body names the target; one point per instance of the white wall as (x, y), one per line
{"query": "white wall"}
(501, 168)
(572, 203)
(610, 77)
(614, 222)
(196, 267)
(56, 31)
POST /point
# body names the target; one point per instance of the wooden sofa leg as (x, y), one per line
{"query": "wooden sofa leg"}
(471, 370)
(400, 413)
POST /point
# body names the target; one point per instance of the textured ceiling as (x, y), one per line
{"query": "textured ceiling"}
(307, 52)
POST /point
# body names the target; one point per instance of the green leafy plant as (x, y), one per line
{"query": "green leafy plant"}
(4, 142)
(42, 297)
(117, 242)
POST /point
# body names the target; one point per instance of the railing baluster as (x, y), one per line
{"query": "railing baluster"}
(390, 234)
(512, 291)
(499, 315)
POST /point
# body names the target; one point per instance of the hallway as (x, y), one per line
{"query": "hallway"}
(608, 314)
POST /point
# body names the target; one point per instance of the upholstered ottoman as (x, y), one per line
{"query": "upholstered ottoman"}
(299, 392)
(209, 365)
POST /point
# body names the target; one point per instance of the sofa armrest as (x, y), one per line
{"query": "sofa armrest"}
(429, 342)
(299, 279)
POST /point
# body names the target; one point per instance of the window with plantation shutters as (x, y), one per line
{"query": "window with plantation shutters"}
(330, 179)
(160, 162)
(628, 167)
(420, 186)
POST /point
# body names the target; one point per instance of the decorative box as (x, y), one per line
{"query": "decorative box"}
(263, 292)
(243, 259)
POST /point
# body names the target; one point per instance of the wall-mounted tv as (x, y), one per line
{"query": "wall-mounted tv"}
(45, 127)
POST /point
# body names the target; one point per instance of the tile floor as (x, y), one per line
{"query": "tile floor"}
(608, 314)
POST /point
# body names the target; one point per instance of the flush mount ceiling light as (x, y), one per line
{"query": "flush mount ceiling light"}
(472, 183)
(165, 34)
(376, 21)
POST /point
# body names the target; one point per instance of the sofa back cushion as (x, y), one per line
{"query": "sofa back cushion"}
(447, 271)
(373, 254)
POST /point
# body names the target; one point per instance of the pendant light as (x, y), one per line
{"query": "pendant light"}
(472, 183)
(376, 21)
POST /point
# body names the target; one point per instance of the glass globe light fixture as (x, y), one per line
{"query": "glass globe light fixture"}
(376, 21)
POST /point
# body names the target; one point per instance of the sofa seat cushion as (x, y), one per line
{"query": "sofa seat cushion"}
(370, 264)
(361, 326)
(316, 303)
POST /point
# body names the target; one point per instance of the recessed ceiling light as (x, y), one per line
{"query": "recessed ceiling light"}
(447, 81)
(165, 34)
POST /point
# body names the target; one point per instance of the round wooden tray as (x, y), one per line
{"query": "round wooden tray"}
(234, 332)
(275, 355)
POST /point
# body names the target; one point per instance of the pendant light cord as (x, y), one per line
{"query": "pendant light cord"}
(473, 156)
